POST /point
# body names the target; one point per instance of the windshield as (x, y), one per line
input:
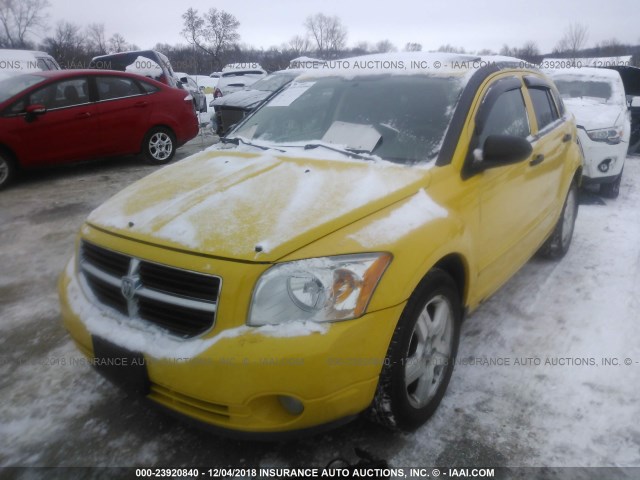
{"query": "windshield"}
(581, 88)
(13, 85)
(273, 82)
(400, 118)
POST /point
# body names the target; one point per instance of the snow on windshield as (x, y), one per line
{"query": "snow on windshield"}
(410, 113)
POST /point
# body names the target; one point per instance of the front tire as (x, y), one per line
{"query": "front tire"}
(421, 355)
(557, 245)
(7, 170)
(159, 145)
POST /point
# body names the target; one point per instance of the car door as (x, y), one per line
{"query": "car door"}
(123, 108)
(68, 129)
(507, 201)
(551, 140)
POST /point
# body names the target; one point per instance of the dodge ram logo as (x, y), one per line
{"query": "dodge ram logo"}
(129, 286)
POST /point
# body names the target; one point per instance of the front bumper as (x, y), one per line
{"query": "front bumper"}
(599, 154)
(235, 378)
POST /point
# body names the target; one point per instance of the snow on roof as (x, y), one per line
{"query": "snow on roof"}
(583, 73)
(411, 63)
(305, 63)
(242, 66)
(552, 63)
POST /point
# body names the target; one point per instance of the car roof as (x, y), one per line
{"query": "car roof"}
(61, 74)
(412, 63)
(585, 72)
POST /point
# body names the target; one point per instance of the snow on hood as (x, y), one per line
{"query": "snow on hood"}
(242, 99)
(228, 204)
(593, 114)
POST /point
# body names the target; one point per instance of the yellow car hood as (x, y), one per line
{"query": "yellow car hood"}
(253, 207)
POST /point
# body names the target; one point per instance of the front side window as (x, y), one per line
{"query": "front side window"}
(508, 116)
(66, 93)
(543, 106)
(110, 88)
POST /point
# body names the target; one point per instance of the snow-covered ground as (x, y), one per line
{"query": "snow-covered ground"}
(531, 387)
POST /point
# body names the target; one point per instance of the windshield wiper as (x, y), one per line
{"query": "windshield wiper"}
(238, 141)
(351, 152)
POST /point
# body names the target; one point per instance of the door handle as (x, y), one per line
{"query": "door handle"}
(83, 115)
(141, 104)
(567, 138)
(536, 160)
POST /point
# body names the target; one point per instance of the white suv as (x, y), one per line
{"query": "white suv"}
(596, 97)
(233, 80)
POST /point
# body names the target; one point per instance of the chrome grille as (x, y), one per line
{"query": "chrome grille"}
(181, 301)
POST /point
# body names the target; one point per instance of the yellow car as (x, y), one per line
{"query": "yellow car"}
(318, 263)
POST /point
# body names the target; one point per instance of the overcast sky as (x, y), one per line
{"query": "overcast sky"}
(471, 24)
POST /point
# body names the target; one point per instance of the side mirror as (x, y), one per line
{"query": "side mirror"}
(33, 111)
(499, 151)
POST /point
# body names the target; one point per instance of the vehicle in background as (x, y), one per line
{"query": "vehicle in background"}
(15, 62)
(596, 96)
(148, 63)
(189, 84)
(64, 116)
(215, 74)
(232, 108)
(634, 139)
(233, 80)
(318, 263)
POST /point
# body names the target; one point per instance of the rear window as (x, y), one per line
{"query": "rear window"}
(242, 73)
(578, 89)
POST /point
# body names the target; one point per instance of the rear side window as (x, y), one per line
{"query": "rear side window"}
(110, 88)
(508, 116)
(543, 105)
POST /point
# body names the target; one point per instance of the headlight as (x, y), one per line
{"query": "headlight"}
(318, 289)
(609, 135)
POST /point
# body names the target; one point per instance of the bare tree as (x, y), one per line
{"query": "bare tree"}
(413, 47)
(96, 39)
(213, 32)
(384, 46)
(66, 45)
(573, 40)
(451, 49)
(611, 48)
(298, 45)
(529, 52)
(193, 30)
(362, 47)
(117, 44)
(327, 32)
(18, 19)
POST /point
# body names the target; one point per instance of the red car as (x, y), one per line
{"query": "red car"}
(55, 117)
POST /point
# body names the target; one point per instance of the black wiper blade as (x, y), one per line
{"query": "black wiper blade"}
(238, 141)
(351, 152)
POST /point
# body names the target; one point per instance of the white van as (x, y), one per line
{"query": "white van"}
(13, 62)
